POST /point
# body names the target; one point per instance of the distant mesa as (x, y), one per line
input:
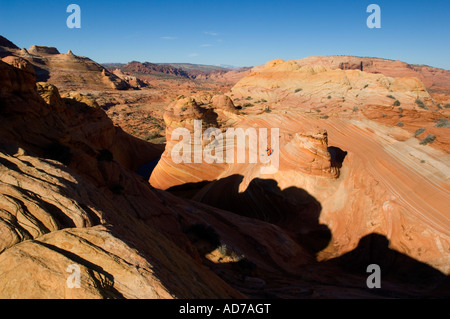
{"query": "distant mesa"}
(151, 68)
(39, 49)
(183, 70)
(67, 71)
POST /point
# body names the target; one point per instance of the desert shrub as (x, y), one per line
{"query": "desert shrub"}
(397, 103)
(318, 110)
(447, 106)
(267, 110)
(383, 115)
(105, 155)
(183, 109)
(444, 123)
(161, 126)
(247, 105)
(58, 152)
(264, 100)
(419, 131)
(298, 90)
(400, 115)
(391, 97)
(329, 96)
(420, 104)
(225, 250)
(428, 139)
(324, 117)
(365, 86)
(152, 136)
(400, 124)
(248, 98)
(355, 109)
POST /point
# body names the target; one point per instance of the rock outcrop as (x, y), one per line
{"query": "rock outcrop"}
(437, 81)
(312, 86)
(42, 50)
(132, 81)
(189, 71)
(67, 71)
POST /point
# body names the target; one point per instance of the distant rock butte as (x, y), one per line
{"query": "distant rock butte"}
(198, 72)
(42, 50)
(149, 68)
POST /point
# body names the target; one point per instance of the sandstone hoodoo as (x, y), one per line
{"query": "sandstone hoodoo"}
(347, 187)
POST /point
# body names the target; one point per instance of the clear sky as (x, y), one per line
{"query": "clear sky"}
(239, 33)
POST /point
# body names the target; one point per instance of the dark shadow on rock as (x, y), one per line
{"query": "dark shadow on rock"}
(206, 240)
(297, 212)
(188, 190)
(292, 209)
(401, 275)
(42, 75)
(337, 156)
(203, 237)
(146, 170)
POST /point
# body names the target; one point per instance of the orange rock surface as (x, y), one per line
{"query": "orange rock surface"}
(386, 183)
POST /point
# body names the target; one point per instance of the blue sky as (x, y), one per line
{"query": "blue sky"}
(240, 33)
